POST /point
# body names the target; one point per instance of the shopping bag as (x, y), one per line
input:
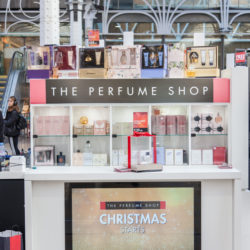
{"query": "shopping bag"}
(11, 240)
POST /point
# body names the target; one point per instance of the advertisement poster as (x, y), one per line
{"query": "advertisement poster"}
(133, 218)
(140, 121)
(93, 38)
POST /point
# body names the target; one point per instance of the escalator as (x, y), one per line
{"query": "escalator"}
(13, 84)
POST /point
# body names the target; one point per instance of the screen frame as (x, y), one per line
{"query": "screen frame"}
(68, 187)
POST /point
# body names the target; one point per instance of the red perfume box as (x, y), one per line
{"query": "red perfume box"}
(181, 124)
(140, 121)
(171, 125)
(160, 124)
(219, 155)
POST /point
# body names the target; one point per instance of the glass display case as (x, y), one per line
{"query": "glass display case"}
(97, 135)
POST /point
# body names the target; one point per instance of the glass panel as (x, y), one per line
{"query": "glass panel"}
(170, 124)
(122, 125)
(51, 133)
(91, 140)
(209, 135)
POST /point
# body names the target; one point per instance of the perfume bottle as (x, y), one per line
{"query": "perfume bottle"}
(218, 118)
(152, 59)
(197, 118)
(123, 58)
(60, 159)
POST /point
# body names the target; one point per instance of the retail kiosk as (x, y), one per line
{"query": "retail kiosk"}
(55, 190)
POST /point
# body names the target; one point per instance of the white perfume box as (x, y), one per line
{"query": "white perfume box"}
(145, 157)
(121, 159)
(178, 156)
(196, 157)
(135, 157)
(169, 156)
(87, 159)
(207, 156)
(100, 159)
(115, 157)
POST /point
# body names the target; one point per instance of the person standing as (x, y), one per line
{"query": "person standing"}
(10, 123)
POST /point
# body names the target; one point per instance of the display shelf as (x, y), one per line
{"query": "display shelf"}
(208, 135)
(49, 136)
(76, 136)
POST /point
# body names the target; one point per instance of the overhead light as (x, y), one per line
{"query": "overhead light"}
(118, 26)
(120, 38)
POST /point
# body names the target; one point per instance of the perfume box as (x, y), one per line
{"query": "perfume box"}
(65, 57)
(181, 121)
(169, 156)
(176, 60)
(39, 58)
(87, 159)
(145, 157)
(39, 127)
(160, 155)
(124, 57)
(100, 127)
(153, 124)
(123, 128)
(219, 155)
(202, 61)
(77, 159)
(196, 157)
(160, 125)
(207, 156)
(98, 73)
(153, 73)
(100, 159)
(171, 125)
(78, 129)
(88, 129)
(38, 74)
(68, 74)
(135, 157)
(154, 61)
(140, 121)
(91, 58)
(115, 157)
(123, 73)
(122, 157)
(178, 156)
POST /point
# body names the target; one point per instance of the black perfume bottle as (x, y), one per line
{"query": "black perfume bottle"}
(61, 159)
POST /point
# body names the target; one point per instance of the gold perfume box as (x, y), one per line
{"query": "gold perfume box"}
(202, 61)
(92, 73)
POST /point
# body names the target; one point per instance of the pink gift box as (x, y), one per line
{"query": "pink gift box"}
(100, 127)
(171, 125)
(160, 128)
(181, 124)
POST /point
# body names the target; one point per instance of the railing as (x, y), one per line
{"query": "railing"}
(188, 4)
(16, 75)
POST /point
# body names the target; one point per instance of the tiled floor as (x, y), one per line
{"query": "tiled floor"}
(245, 220)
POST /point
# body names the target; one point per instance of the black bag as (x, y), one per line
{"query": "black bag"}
(21, 122)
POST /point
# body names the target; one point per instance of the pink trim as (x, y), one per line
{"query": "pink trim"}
(221, 90)
(37, 91)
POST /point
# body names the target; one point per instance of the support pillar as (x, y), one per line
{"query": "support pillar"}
(49, 22)
(76, 8)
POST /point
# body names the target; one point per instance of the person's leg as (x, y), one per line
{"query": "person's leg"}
(12, 145)
(15, 140)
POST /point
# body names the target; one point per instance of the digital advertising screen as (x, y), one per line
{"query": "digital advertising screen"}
(133, 216)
